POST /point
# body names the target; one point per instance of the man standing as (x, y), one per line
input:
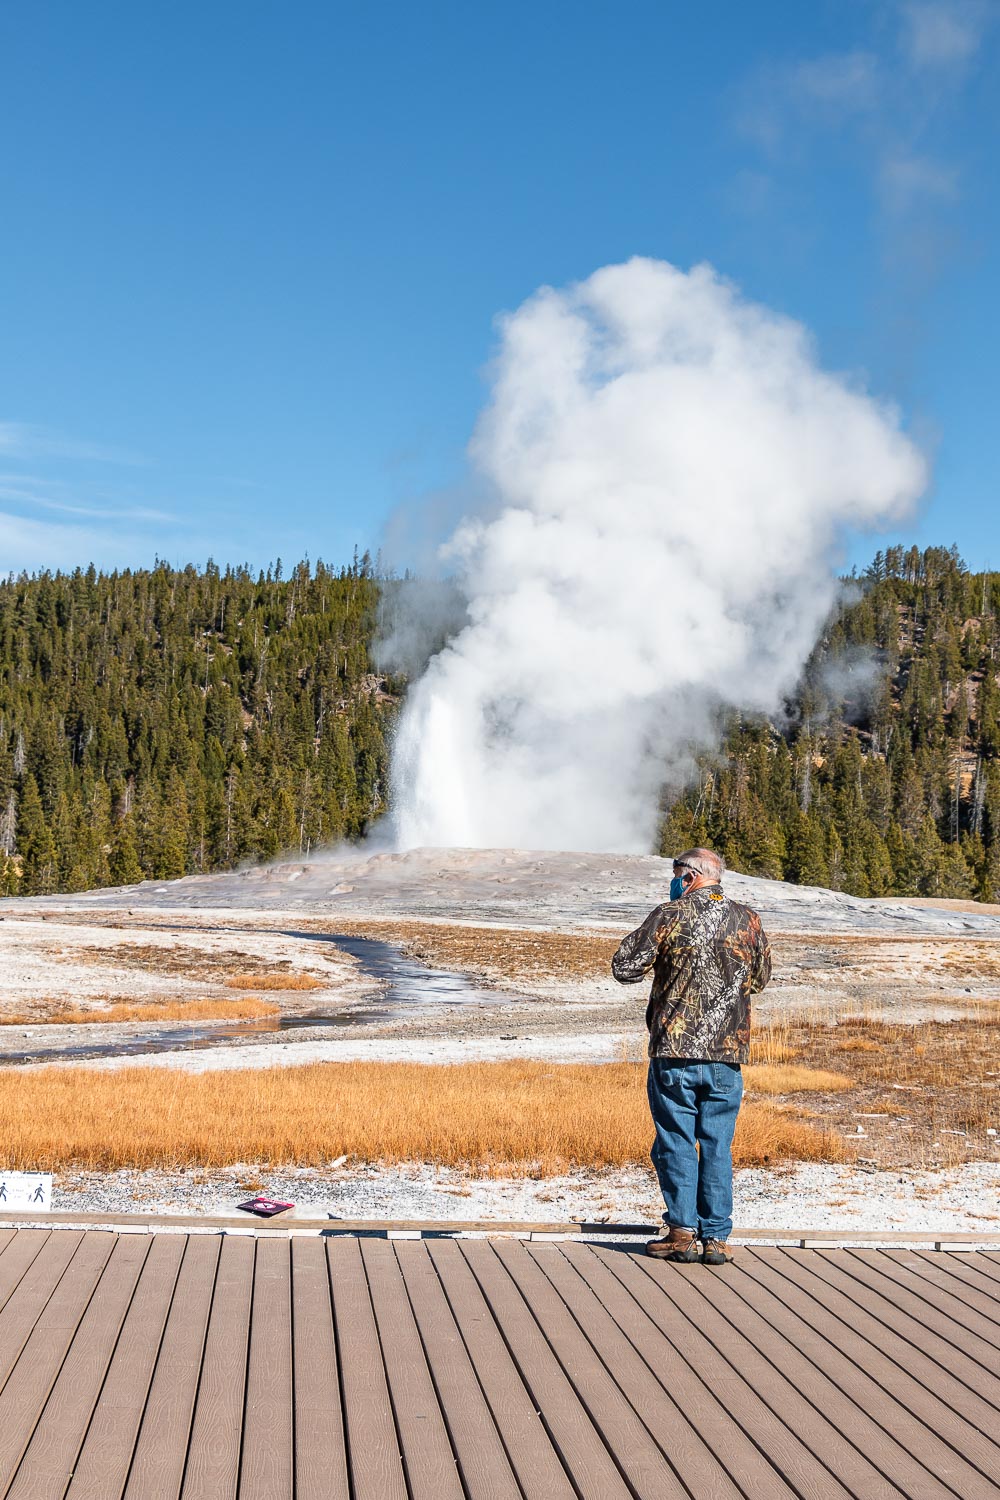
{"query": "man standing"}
(708, 956)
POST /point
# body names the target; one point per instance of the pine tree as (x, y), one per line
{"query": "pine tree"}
(39, 860)
(123, 861)
(806, 861)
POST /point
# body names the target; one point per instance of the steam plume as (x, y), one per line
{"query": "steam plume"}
(672, 475)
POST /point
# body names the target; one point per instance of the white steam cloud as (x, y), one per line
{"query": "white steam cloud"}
(673, 473)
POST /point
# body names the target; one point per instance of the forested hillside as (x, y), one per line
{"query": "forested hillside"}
(161, 722)
(885, 777)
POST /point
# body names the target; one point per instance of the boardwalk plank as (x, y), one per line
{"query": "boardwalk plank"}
(937, 1365)
(50, 1457)
(16, 1258)
(372, 1441)
(6, 1235)
(943, 1296)
(668, 1423)
(102, 1467)
(161, 1448)
(428, 1458)
(934, 1438)
(776, 1425)
(529, 1450)
(985, 1265)
(266, 1464)
(41, 1358)
(216, 1433)
(806, 1401)
(982, 1267)
(569, 1424)
(948, 1273)
(611, 1413)
(320, 1448)
(485, 1471)
(848, 1398)
(885, 1279)
(681, 1377)
(987, 1261)
(27, 1301)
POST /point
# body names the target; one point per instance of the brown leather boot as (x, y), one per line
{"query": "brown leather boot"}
(676, 1243)
(715, 1253)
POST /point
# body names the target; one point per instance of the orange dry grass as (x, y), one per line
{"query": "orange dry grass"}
(528, 1116)
(771, 1043)
(247, 1009)
(793, 1078)
(273, 982)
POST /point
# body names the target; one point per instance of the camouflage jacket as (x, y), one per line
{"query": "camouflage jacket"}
(708, 956)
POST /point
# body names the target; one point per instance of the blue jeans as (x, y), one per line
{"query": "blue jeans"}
(695, 1102)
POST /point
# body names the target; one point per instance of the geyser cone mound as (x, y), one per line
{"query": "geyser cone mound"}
(560, 889)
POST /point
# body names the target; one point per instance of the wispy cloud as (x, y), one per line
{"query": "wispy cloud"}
(33, 544)
(18, 494)
(27, 544)
(882, 101)
(27, 440)
(63, 505)
(751, 193)
(908, 181)
(942, 33)
(782, 100)
(66, 502)
(846, 82)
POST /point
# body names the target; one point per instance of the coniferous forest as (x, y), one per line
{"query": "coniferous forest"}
(884, 776)
(163, 722)
(159, 723)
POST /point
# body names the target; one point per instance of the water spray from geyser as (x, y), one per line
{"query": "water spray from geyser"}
(671, 475)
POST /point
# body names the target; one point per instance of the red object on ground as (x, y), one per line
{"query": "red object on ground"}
(264, 1208)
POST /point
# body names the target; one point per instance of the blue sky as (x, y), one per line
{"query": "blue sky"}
(251, 254)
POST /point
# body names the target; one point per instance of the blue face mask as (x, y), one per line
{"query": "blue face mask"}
(677, 888)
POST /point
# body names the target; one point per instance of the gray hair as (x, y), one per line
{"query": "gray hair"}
(704, 862)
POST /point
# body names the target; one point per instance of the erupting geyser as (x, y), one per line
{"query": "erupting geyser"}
(672, 473)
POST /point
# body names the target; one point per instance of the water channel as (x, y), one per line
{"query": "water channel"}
(403, 983)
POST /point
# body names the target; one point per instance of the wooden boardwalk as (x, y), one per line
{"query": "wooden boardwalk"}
(350, 1368)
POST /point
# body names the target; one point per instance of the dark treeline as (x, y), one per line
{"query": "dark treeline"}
(885, 778)
(162, 722)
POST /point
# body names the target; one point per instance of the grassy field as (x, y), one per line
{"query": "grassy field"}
(531, 1118)
(914, 1096)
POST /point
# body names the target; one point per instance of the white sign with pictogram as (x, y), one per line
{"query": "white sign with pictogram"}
(25, 1190)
